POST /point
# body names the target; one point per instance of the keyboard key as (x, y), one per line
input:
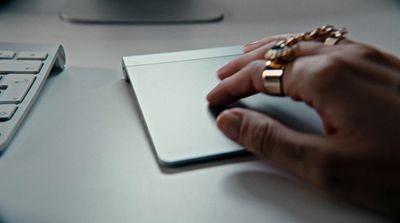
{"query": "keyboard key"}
(6, 112)
(14, 66)
(6, 54)
(32, 56)
(17, 88)
(19, 84)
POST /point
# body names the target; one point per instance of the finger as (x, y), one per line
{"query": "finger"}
(246, 82)
(309, 78)
(317, 69)
(331, 87)
(242, 61)
(313, 59)
(371, 63)
(395, 61)
(307, 48)
(361, 60)
(369, 52)
(300, 49)
(257, 44)
(299, 153)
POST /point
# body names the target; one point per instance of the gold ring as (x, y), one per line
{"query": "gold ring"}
(282, 53)
(335, 37)
(272, 78)
(330, 41)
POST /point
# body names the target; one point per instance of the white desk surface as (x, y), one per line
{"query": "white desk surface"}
(83, 156)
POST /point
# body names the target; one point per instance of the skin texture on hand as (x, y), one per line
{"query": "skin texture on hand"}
(355, 89)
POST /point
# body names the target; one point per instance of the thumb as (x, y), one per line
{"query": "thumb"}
(298, 153)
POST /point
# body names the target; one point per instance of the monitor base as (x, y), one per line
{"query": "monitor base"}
(140, 11)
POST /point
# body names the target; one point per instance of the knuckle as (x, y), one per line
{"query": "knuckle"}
(246, 61)
(255, 66)
(328, 64)
(294, 74)
(236, 62)
(230, 92)
(260, 137)
(328, 70)
(255, 70)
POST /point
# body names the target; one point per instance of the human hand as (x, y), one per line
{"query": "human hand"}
(356, 91)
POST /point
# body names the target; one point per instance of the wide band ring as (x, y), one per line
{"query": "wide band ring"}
(282, 53)
(272, 78)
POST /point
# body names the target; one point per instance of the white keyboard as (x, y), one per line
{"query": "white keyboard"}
(24, 69)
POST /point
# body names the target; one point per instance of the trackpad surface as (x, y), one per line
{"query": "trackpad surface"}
(172, 93)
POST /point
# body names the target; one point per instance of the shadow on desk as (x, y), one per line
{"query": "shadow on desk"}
(271, 191)
(209, 163)
(1, 218)
(4, 6)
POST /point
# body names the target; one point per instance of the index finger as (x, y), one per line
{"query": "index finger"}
(237, 64)
(249, 81)
(259, 43)
(245, 82)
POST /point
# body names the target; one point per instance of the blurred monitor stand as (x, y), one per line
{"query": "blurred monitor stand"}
(141, 11)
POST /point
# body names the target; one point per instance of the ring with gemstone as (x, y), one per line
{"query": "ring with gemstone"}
(283, 53)
(279, 53)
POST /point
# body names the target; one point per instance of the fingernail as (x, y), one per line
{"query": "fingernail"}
(230, 124)
(221, 70)
(246, 48)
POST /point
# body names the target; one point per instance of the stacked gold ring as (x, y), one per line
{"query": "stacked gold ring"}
(272, 76)
(282, 53)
